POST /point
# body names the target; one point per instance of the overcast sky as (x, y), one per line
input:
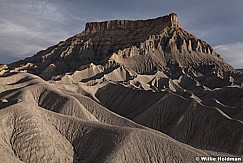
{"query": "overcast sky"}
(28, 26)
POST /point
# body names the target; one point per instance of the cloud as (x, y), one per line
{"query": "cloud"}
(4, 58)
(232, 53)
(19, 40)
(26, 28)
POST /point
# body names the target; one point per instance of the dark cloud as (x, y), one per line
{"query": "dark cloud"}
(32, 25)
(4, 58)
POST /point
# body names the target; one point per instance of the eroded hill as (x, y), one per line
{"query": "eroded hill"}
(122, 91)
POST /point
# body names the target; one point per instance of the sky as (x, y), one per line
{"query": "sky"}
(28, 26)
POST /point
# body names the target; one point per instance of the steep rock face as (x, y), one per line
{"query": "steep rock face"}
(170, 20)
(143, 46)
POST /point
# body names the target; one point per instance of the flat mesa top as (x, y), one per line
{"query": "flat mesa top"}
(170, 20)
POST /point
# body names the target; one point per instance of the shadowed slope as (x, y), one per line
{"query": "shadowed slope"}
(186, 120)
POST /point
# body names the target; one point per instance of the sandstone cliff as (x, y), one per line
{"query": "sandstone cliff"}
(169, 20)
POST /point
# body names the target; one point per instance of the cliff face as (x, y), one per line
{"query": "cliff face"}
(143, 46)
(169, 20)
